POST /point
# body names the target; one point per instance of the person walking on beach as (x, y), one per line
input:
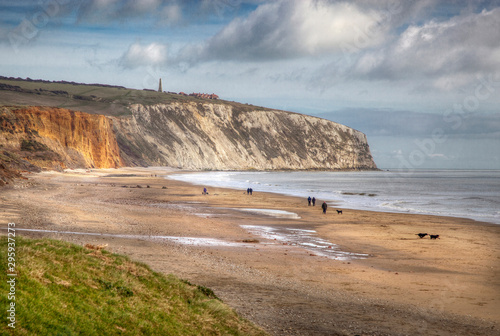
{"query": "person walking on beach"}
(251, 191)
(324, 206)
(205, 192)
(314, 201)
(309, 200)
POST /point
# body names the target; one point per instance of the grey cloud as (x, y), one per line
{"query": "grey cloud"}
(160, 12)
(23, 21)
(289, 29)
(108, 12)
(97, 11)
(449, 52)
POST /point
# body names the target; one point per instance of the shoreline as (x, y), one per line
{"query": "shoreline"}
(337, 202)
(407, 285)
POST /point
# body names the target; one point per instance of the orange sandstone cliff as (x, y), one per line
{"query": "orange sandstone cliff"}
(55, 138)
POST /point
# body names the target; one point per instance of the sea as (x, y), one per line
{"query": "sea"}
(473, 194)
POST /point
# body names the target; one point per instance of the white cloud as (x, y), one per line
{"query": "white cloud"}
(450, 54)
(291, 29)
(154, 54)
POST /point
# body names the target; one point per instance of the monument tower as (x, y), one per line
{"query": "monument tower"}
(160, 89)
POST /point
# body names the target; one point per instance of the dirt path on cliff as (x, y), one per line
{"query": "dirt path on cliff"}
(404, 286)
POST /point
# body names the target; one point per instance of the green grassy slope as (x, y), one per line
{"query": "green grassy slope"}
(65, 289)
(106, 100)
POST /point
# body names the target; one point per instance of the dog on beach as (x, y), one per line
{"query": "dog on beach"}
(339, 212)
(434, 236)
(421, 235)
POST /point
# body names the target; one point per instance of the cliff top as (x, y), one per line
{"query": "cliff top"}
(93, 98)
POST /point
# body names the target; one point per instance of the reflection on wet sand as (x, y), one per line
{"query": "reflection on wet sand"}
(307, 239)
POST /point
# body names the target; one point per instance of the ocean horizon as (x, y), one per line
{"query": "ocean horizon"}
(473, 194)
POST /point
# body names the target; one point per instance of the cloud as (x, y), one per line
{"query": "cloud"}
(137, 55)
(159, 12)
(449, 53)
(97, 11)
(171, 14)
(289, 29)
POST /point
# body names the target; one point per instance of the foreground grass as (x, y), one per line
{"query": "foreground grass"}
(66, 289)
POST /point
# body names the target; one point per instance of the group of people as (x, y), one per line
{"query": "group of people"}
(249, 192)
(310, 200)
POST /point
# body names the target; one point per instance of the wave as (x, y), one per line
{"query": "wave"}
(469, 194)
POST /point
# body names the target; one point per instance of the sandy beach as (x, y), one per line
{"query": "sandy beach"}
(377, 277)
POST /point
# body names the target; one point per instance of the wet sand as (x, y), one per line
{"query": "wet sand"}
(294, 273)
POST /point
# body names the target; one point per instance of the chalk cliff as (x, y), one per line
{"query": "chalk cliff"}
(226, 137)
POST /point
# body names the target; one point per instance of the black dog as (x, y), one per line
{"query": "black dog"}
(434, 236)
(339, 212)
(421, 235)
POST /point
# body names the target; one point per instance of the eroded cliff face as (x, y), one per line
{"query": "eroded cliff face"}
(219, 137)
(52, 138)
(188, 135)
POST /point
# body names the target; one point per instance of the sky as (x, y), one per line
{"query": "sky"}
(420, 78)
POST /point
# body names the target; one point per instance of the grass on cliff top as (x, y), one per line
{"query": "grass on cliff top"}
(66, 289)
(111, 101)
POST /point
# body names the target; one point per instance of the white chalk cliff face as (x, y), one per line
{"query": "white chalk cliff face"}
(215, 136)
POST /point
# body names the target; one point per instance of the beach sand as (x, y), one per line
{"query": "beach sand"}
(404, 285)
